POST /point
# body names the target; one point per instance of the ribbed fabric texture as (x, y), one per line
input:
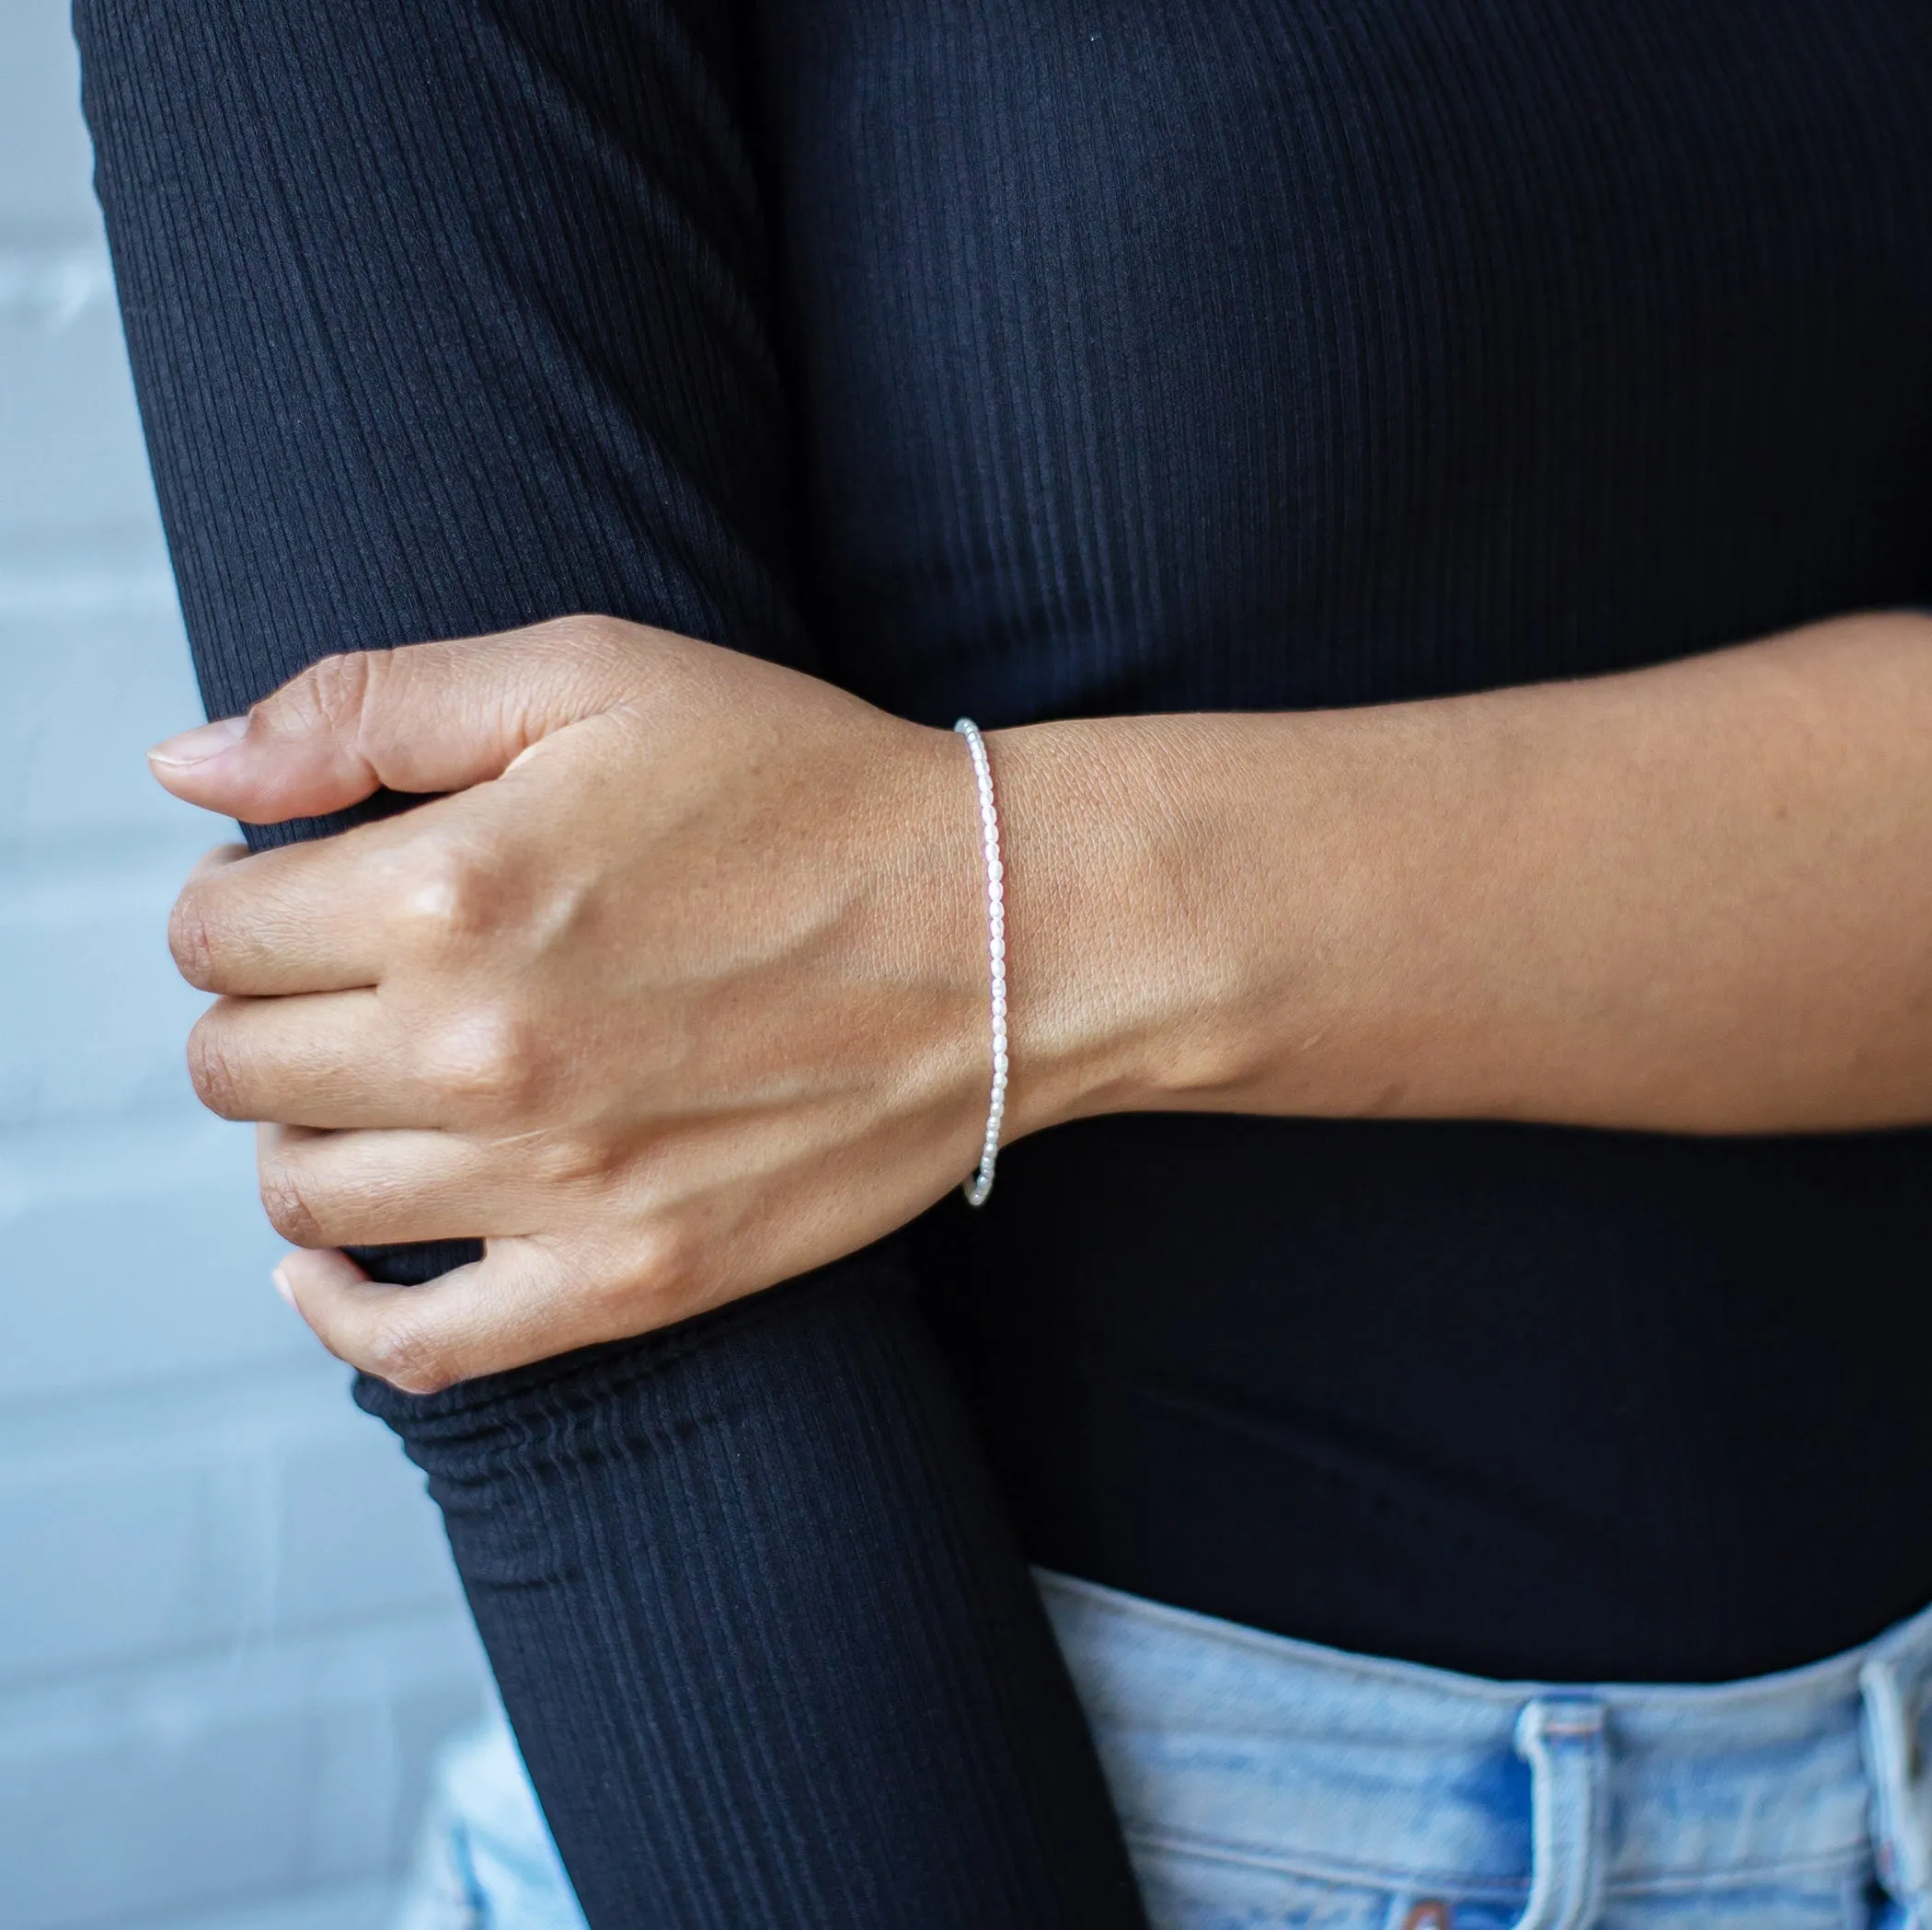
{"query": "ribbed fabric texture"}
(1258, 353)
(1143, 355)
(763, 1631)
(446, 318)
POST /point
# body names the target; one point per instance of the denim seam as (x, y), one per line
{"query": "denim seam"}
(1486, 1889)
(1323, 1869)
(1840, 1868)
(1487, 1691)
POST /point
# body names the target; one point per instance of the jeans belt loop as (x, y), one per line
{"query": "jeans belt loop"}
(1562, 1738)
(1901, 1790)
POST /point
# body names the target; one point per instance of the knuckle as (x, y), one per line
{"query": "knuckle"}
(576, 1163)
(191, 940)
(670, 1270)
(406, 1353)
(289, 1197)
(213, 1071)
(335, 691)
(487, 1062)
(452, 895)
(596, 653)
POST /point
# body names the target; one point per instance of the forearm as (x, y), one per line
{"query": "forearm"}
(1693, 898)
(772, 1654)
(761, 1628)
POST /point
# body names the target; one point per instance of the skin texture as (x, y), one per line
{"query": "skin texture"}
(681, 990)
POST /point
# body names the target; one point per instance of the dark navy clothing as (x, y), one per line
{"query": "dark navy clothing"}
(1040, 357)
(1259, 353)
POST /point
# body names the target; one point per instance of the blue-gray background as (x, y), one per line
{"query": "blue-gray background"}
(229, 1638)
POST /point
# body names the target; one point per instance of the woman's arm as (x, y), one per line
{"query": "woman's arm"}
(452, 316)
(683, 993)
(1695, 898)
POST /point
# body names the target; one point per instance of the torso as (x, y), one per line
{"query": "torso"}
(1162, 354)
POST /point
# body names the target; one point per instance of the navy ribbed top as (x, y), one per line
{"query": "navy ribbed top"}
(1039, 358)
(1163, 354)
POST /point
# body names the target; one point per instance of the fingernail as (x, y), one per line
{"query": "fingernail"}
(282, 1287)
(205, 741)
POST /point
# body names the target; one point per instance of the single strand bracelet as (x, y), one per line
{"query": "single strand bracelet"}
(980, 1184)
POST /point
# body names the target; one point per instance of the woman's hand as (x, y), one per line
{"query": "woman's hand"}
(680, 992)
(685, 991)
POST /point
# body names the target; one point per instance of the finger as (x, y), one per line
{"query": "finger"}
(305, 918)
(381, 1189)
(313, 917)
(337, 1059)
(516, 1305)
(430, 717)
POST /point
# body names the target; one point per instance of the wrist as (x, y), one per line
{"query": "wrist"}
(1125, 982)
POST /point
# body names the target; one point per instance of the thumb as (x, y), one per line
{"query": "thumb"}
(430, 717)
(514, 1305)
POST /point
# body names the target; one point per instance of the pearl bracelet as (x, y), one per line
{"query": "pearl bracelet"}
(980, 1184)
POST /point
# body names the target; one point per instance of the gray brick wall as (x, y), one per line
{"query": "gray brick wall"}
(229, 1636)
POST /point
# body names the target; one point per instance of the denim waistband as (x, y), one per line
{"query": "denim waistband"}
(1329, 1764)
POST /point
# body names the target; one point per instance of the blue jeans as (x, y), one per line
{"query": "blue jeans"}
(1266, 1784)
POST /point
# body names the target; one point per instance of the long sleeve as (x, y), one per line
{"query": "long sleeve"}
(446, 317)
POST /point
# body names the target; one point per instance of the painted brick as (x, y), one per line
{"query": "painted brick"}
(357, 1534)
(230, 1639)
(339, 1906)
(95, 669)
(135, 1251)
(269, 1771)
(109, 1561)
(44, 156)
(83, 948)
(70, 440)
(143, 1527)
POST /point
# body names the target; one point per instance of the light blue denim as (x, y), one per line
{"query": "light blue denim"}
(1272, 1784)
